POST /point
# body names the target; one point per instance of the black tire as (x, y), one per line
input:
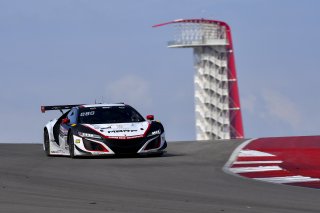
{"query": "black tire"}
(46, 142)
(71, 145)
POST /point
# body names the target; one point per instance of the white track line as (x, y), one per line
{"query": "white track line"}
(258, 162)
(254, 153)
(288, 179)
(255, 169)
(234, 156)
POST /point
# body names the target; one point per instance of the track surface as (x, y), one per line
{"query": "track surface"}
(188, 178)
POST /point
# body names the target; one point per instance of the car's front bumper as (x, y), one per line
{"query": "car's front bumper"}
(107, 146)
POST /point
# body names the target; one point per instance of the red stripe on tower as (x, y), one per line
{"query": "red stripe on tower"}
(234, 102)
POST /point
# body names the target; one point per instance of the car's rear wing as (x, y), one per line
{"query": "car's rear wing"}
(57, 107)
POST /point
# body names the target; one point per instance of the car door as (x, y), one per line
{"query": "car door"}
(65, 126)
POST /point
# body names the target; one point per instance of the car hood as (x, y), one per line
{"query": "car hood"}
(121, 130)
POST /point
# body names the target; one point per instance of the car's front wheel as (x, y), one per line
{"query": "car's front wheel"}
(71, 145)
(46, 142)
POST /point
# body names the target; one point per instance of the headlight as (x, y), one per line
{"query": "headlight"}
(88, 135)
(153, 133)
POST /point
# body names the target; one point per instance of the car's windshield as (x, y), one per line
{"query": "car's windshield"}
(112, 114)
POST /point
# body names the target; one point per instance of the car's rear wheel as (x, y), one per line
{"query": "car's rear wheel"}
(71, 145)
(46, 142)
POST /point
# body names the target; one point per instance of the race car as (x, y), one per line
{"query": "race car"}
(102, 129)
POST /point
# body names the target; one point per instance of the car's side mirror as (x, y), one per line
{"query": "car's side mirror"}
(150, 117)
(65, 121)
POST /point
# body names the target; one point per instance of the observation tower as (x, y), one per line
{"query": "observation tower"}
(217, 104)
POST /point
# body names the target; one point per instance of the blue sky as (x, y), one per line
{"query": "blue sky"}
(76, 51)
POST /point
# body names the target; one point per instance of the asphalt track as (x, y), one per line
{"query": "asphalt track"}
(189, 178)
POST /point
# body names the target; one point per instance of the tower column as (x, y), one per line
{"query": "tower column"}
(217, 104)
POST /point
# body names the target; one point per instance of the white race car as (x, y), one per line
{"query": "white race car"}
(102, 129)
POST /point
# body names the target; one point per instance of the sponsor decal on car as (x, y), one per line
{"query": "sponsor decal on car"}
(157, 132)
(125, 137)
(122, 130)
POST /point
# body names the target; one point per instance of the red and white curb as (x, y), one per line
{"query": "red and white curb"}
(262, 166)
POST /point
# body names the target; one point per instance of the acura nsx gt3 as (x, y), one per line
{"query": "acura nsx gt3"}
(102, 129)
